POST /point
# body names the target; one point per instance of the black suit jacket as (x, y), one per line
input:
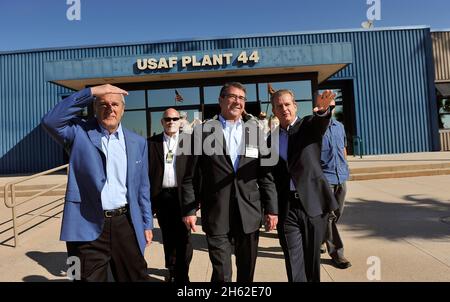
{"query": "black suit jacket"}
(156, 166)
(251, 185)
(304, 149)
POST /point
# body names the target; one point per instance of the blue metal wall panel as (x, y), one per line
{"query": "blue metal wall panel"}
(394, 104)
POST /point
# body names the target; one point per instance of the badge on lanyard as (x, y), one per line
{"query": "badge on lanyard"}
(251, 151)
(169, 157)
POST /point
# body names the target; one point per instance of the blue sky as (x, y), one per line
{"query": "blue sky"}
(29, 24)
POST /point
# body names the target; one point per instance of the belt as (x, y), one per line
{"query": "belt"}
(170, 190)
(115, 212)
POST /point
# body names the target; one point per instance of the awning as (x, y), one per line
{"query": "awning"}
(444, 89)
(324, 59)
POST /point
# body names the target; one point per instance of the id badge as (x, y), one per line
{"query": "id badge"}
(251, 151)
(169, 157)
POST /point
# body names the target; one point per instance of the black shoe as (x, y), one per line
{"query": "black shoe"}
(340, 261)
(171, 277)
(323, 249)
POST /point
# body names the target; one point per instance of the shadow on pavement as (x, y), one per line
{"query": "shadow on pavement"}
(55, 264)
(417, 217)
(270, 252)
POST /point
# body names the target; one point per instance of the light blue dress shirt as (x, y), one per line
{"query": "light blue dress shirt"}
(283, 148)
(334, 164)
(114, 193)
(233, 137)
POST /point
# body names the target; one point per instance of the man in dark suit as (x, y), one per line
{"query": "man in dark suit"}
(236, 190)
(107, 215)
(304, 195)
(166, 175)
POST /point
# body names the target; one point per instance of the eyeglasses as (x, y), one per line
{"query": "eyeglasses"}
(235, 97)
(168, 119)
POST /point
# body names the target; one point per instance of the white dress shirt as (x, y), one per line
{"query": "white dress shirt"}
(170, 177)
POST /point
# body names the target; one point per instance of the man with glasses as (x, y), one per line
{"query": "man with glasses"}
(235, 189)
(166, 175)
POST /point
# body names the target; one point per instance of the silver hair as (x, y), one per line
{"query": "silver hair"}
(122, 96)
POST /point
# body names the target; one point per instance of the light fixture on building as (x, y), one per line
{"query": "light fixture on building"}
(367, 24)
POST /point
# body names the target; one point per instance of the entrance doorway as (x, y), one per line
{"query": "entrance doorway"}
(199, 98)
(345, 109)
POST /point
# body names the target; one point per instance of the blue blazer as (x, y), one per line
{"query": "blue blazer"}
(83, 213)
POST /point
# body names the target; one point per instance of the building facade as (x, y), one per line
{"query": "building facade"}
(384, 79)
(441, 57)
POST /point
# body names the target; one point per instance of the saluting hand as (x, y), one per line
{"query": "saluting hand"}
(107, 89)
(324, 100)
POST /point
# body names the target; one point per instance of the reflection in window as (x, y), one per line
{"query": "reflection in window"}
(135, 121)
(173, 97)
(211, 93)
(156, 126)
(338, 113)
(444, 113)
(135, 99)
(190, 116)
(301, 89)
(189, 119)
(303, 108)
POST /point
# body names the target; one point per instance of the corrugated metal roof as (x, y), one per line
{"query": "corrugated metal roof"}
(260, 35)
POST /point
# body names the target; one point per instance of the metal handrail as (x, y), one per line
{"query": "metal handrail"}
(9, 192)
(358, 139)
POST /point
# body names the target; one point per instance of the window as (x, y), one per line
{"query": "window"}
(135, 121)
(444, 113)
(211, 93)
(174, 97)
(301, 90)
(135, 99)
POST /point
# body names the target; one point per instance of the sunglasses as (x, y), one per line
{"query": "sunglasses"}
(168, 119)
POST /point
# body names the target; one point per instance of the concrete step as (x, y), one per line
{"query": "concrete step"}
(399, 174)
(399, 168)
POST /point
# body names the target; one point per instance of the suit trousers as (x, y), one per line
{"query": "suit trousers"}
(117, 245)
(332, 238)
(300, 238)
(176, 238)
(220, 248)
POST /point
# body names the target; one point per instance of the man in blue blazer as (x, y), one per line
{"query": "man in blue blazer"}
(107, 212)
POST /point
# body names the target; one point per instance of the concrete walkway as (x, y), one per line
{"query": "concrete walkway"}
(369, 161)
(393, 230)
